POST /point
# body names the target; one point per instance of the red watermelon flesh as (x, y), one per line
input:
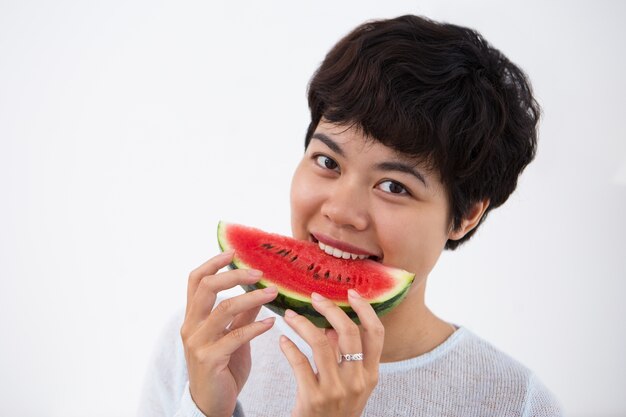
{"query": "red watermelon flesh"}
(299, 267)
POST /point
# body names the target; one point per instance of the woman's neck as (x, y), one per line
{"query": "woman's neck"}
(411, 329)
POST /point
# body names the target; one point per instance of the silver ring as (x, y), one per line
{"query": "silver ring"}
(351, 357)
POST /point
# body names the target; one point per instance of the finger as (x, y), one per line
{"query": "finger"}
(210, 267)
(305, 376)
(235, 339)
(349, 335)
(245, 318)
(323, 351)
(372, 330)
(225, 312)
(204, 298)
(333, 338)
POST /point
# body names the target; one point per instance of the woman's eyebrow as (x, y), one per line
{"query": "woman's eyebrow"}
(383, 166)
(401, 167)
(330, 143)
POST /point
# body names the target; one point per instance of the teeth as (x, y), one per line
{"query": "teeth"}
(339, 253)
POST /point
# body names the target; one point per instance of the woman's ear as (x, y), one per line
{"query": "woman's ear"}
(470, 221)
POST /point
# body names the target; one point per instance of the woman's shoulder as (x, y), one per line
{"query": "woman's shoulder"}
(507, 375)
(464, 352)
(468, 367)
(486, 359)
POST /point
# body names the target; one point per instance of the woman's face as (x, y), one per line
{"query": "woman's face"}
(362, 198)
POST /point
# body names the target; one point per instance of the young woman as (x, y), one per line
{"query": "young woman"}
(418, 129)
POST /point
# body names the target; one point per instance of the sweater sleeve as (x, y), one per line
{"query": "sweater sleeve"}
(188, 407)
(165, 390)
(166, 378)
(540, 402)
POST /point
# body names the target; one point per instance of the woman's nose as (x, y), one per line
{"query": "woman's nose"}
(346, 205)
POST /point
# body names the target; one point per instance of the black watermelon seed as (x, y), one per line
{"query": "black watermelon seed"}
(311, 267)
(348, 279)
(326, 274)
(294, 258)
(339, 277)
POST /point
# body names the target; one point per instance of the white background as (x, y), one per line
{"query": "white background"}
(129, 128)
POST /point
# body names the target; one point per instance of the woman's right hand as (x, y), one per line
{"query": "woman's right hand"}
(217, 340)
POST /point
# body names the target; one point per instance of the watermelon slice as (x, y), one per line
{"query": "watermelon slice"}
(297, 268)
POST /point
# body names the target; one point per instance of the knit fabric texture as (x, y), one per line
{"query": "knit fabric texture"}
(464, 376)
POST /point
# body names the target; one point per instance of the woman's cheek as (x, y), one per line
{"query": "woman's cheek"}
(305, 199)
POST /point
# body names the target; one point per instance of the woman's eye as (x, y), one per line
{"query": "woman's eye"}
(326, 162)
(393, 187)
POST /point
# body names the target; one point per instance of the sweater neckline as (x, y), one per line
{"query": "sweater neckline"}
(425, 358)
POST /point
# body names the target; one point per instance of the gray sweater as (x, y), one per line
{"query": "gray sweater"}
(464, 376)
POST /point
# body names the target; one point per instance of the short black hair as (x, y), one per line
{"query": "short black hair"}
(438, 92)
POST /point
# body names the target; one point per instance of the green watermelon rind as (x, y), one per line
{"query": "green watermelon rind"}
(302, 304)
(282, 303)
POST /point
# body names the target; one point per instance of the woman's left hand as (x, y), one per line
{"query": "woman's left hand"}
(337, 389)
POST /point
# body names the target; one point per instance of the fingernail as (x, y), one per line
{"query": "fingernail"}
(317, 297)
(270, 290)
(269, 320)
(254, 272)
(352, 293)
(290, 313)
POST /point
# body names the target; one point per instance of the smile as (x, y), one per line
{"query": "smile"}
(346, 251)
(337, 253)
